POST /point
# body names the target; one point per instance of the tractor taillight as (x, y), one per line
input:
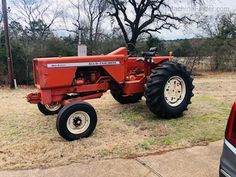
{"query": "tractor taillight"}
(230, 133)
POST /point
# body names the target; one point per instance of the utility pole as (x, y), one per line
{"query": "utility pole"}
(8, 46)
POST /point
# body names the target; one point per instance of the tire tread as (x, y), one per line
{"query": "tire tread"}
(154, 89)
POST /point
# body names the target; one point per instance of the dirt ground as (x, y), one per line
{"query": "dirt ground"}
(30, 140)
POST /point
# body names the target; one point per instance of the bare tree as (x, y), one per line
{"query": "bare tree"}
(1, 18)
(76, 18)
(33, 20)
(144, 17)
(221, 33)
(37, 12)
(94, 12)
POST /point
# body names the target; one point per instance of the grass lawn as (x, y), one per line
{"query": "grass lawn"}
(30, 140)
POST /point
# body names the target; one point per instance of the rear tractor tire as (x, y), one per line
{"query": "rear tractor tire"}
(76, 120)
(49, 109)
(169, 90)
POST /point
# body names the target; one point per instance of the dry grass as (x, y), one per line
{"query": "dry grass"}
(30, 140)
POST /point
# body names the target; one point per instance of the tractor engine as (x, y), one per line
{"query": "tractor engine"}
(86, 76)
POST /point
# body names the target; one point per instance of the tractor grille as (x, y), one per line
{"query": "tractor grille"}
(36, 72)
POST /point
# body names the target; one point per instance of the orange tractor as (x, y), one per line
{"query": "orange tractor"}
(64, 83)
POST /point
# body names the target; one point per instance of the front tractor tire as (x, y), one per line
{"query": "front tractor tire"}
(169, 90)
(76, 120)
(49, 109)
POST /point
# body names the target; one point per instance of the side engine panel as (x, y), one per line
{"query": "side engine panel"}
(52, 73)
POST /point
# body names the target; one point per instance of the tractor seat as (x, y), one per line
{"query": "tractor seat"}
(152, 52)
(148, 54)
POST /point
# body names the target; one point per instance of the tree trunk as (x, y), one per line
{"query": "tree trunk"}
(131, 47)
(27, 72)
(132, 44)
(90, 51)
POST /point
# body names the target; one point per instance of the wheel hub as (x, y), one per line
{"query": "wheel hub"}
(53, 106)
(78, 122)
(175, 91)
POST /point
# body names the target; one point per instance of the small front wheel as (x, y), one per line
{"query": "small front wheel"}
(76, 120)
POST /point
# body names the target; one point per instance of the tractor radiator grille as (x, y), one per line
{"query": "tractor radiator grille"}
(36, 73)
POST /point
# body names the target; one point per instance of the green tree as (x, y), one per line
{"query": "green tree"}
(222, 41)
(38, 30)
(3, 58)
(34, 43)
(184, 50)
(156, 42)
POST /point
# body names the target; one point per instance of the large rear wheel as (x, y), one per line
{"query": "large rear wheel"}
(169, 90)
